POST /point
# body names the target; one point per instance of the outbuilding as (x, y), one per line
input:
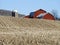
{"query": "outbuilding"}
(49, 16)
(41, 14)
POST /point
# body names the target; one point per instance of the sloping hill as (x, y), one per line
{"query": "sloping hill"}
(23, 31)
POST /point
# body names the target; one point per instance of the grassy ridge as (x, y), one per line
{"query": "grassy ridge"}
(21, 31)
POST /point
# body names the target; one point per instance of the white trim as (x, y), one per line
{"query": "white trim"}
(42, 14)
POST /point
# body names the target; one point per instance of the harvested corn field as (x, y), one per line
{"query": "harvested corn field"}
(24, 31)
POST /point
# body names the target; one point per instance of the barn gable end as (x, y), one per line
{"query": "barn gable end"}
(49, 16)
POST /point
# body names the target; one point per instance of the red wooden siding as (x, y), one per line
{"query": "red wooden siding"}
(39, 12)
(49, 16)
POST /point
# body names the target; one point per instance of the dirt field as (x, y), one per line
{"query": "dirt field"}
(21, 31)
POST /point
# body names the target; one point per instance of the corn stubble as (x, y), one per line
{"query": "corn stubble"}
(21, 31)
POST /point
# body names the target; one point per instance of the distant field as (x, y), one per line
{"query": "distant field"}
(21, 31)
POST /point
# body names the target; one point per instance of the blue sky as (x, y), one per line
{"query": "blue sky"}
(27, 6)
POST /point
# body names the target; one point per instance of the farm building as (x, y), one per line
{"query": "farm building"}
(10, 13)
(41, 14)
(49, 16)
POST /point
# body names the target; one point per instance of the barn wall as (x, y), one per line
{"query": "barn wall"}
(48, 16)
(39, 12)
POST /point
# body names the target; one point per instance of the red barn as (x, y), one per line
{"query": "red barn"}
(49, 16)
(41, 14)
(38, 12)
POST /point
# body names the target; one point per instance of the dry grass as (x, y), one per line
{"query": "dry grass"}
(19, 31)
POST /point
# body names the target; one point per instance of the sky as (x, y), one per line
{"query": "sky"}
(27, 6)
